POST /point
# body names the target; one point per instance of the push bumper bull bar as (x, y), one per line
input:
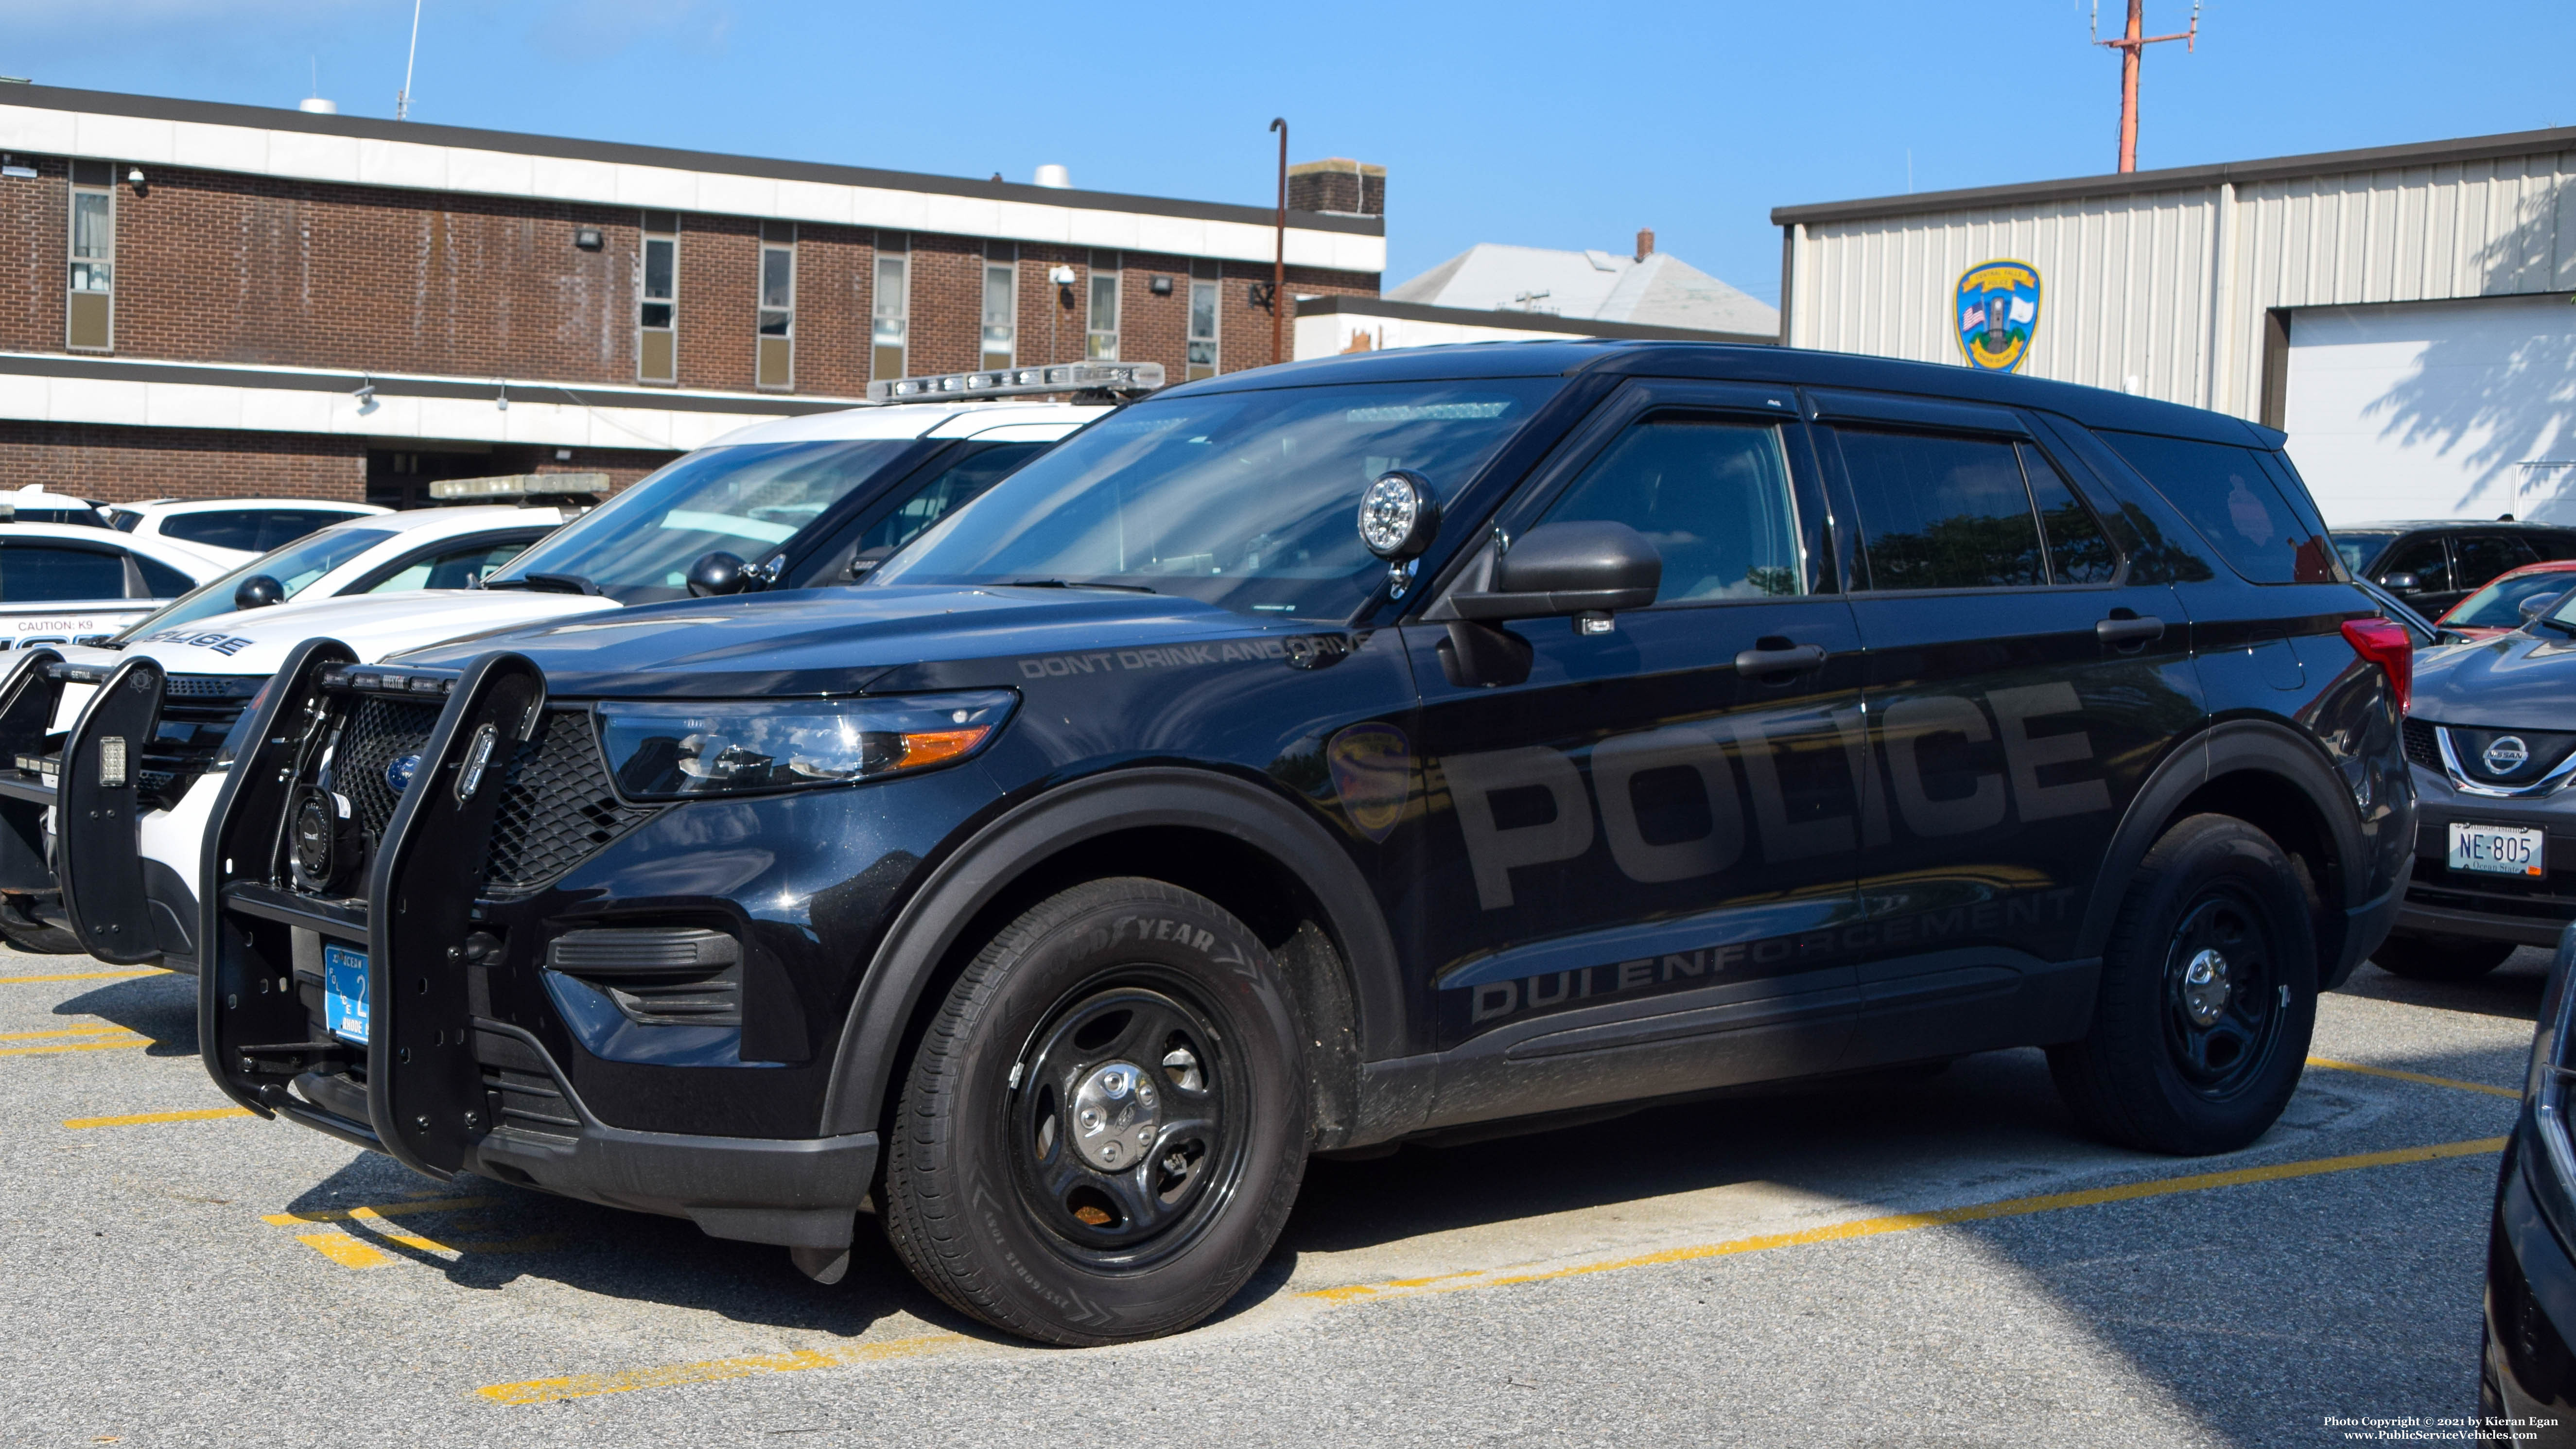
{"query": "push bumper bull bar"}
(424, 1099)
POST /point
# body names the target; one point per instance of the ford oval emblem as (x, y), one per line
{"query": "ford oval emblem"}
(399, 770)
(2507, 755)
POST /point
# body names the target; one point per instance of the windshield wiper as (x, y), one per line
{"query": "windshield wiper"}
(548, 584)
(1074, 584)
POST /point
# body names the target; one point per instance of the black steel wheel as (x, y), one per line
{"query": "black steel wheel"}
(2222, 1011)
(1128, 1121)
(1104, 1126)
(2440, 958)
(2207, 998)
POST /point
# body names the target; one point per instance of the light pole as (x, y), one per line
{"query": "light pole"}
(1279, 253)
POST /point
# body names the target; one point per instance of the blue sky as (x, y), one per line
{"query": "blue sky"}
(1551, 125)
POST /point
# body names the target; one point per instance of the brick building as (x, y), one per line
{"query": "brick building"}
(205, 299)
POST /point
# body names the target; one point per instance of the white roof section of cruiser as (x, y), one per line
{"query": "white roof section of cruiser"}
(454, 518)
(910, 420)
(172, 507)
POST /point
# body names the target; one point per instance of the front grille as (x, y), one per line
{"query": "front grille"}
(197, 712)
(557, 807)
(379, 732)
(2421, 747)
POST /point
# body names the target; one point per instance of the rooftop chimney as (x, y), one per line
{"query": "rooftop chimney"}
(1337, 184)
(1645, 243)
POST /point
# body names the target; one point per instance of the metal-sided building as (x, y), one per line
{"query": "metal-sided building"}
(2402, 312)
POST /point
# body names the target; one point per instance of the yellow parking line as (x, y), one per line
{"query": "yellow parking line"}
(2392, 1072)
(107, 1028)
(377, 1210)
(344, 1250)
(140, 1119)
(584, 1386)
(84, 976)
(580, 1386)
(85, 1046)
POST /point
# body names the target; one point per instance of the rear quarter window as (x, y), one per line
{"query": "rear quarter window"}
(2248, 505)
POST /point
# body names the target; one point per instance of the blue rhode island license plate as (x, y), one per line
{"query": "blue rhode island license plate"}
(344, 993)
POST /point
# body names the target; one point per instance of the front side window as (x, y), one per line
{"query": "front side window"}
(1100, 340)
(37, 573)
(1204, 279)
(1001, 305)
(2426, 559)
(745, 500)
(462, 567)
(90, 311)
(657, 312)
(891, 304)
(1714, 497)
(2358, 549)
(2238, 505)
(1243, 500)
(776, 364)
(295, 567)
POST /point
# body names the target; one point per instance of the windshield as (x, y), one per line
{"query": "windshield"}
(1246, 500)
(294, 566)
(744, 500)
(2499, 604)
(2358, 549)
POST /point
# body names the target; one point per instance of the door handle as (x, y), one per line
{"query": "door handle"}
(2132, 630)
(1788, 659)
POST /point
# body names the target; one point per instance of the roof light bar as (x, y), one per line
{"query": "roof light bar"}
(519, 485)
(1021, 382)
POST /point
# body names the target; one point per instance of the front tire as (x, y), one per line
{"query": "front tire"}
(2207, 1001)
(1105, 1126)
(24, 930)
(2440, 958)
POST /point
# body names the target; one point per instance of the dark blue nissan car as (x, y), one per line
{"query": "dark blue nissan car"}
(1330, 755)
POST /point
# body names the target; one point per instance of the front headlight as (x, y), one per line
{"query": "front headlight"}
(682, 750)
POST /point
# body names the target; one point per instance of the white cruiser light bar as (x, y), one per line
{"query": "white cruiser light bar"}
(519, 485)
(1022, 381)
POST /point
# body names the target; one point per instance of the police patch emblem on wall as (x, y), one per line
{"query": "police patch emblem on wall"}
(1373, 774)
(1998, 311)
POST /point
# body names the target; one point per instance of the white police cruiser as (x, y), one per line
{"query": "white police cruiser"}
(796, 503)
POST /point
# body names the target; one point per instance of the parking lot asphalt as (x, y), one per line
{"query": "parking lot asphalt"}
(1897, 1260)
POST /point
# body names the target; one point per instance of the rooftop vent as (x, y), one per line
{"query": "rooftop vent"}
(1054, 176)
(316, 106)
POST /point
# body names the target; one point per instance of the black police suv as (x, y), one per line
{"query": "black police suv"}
(2526, 1369)
(1331, 754)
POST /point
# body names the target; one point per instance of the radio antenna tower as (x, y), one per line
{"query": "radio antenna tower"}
(2132, 47)
(402, 98)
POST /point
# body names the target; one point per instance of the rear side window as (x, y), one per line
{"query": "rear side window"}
(44, 574)
(1946, 512)
(160, 581)
(216, 530)
(2234, 496)
(279, 527)
(1713, 496)
(2477, 558)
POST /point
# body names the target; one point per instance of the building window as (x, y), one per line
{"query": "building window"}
(892, 305)
(90, 317)
(776, 366)
(1101, 341)
(1204, 277)
(1001, 304)
(657, 313)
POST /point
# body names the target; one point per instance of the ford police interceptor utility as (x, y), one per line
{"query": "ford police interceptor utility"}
(1327, 755)
(59, 581)
(809, 498)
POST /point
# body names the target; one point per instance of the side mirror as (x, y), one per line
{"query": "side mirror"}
(716, 574)
(2537, 605)
(258, 592)
(1561, 569)
(2401, 583)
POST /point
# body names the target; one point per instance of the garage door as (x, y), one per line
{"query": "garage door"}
(2436, 409)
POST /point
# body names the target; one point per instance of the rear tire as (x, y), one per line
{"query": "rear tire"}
(22, 929)
(1105, 1126)
(2440, 958)
(2207, 1001)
